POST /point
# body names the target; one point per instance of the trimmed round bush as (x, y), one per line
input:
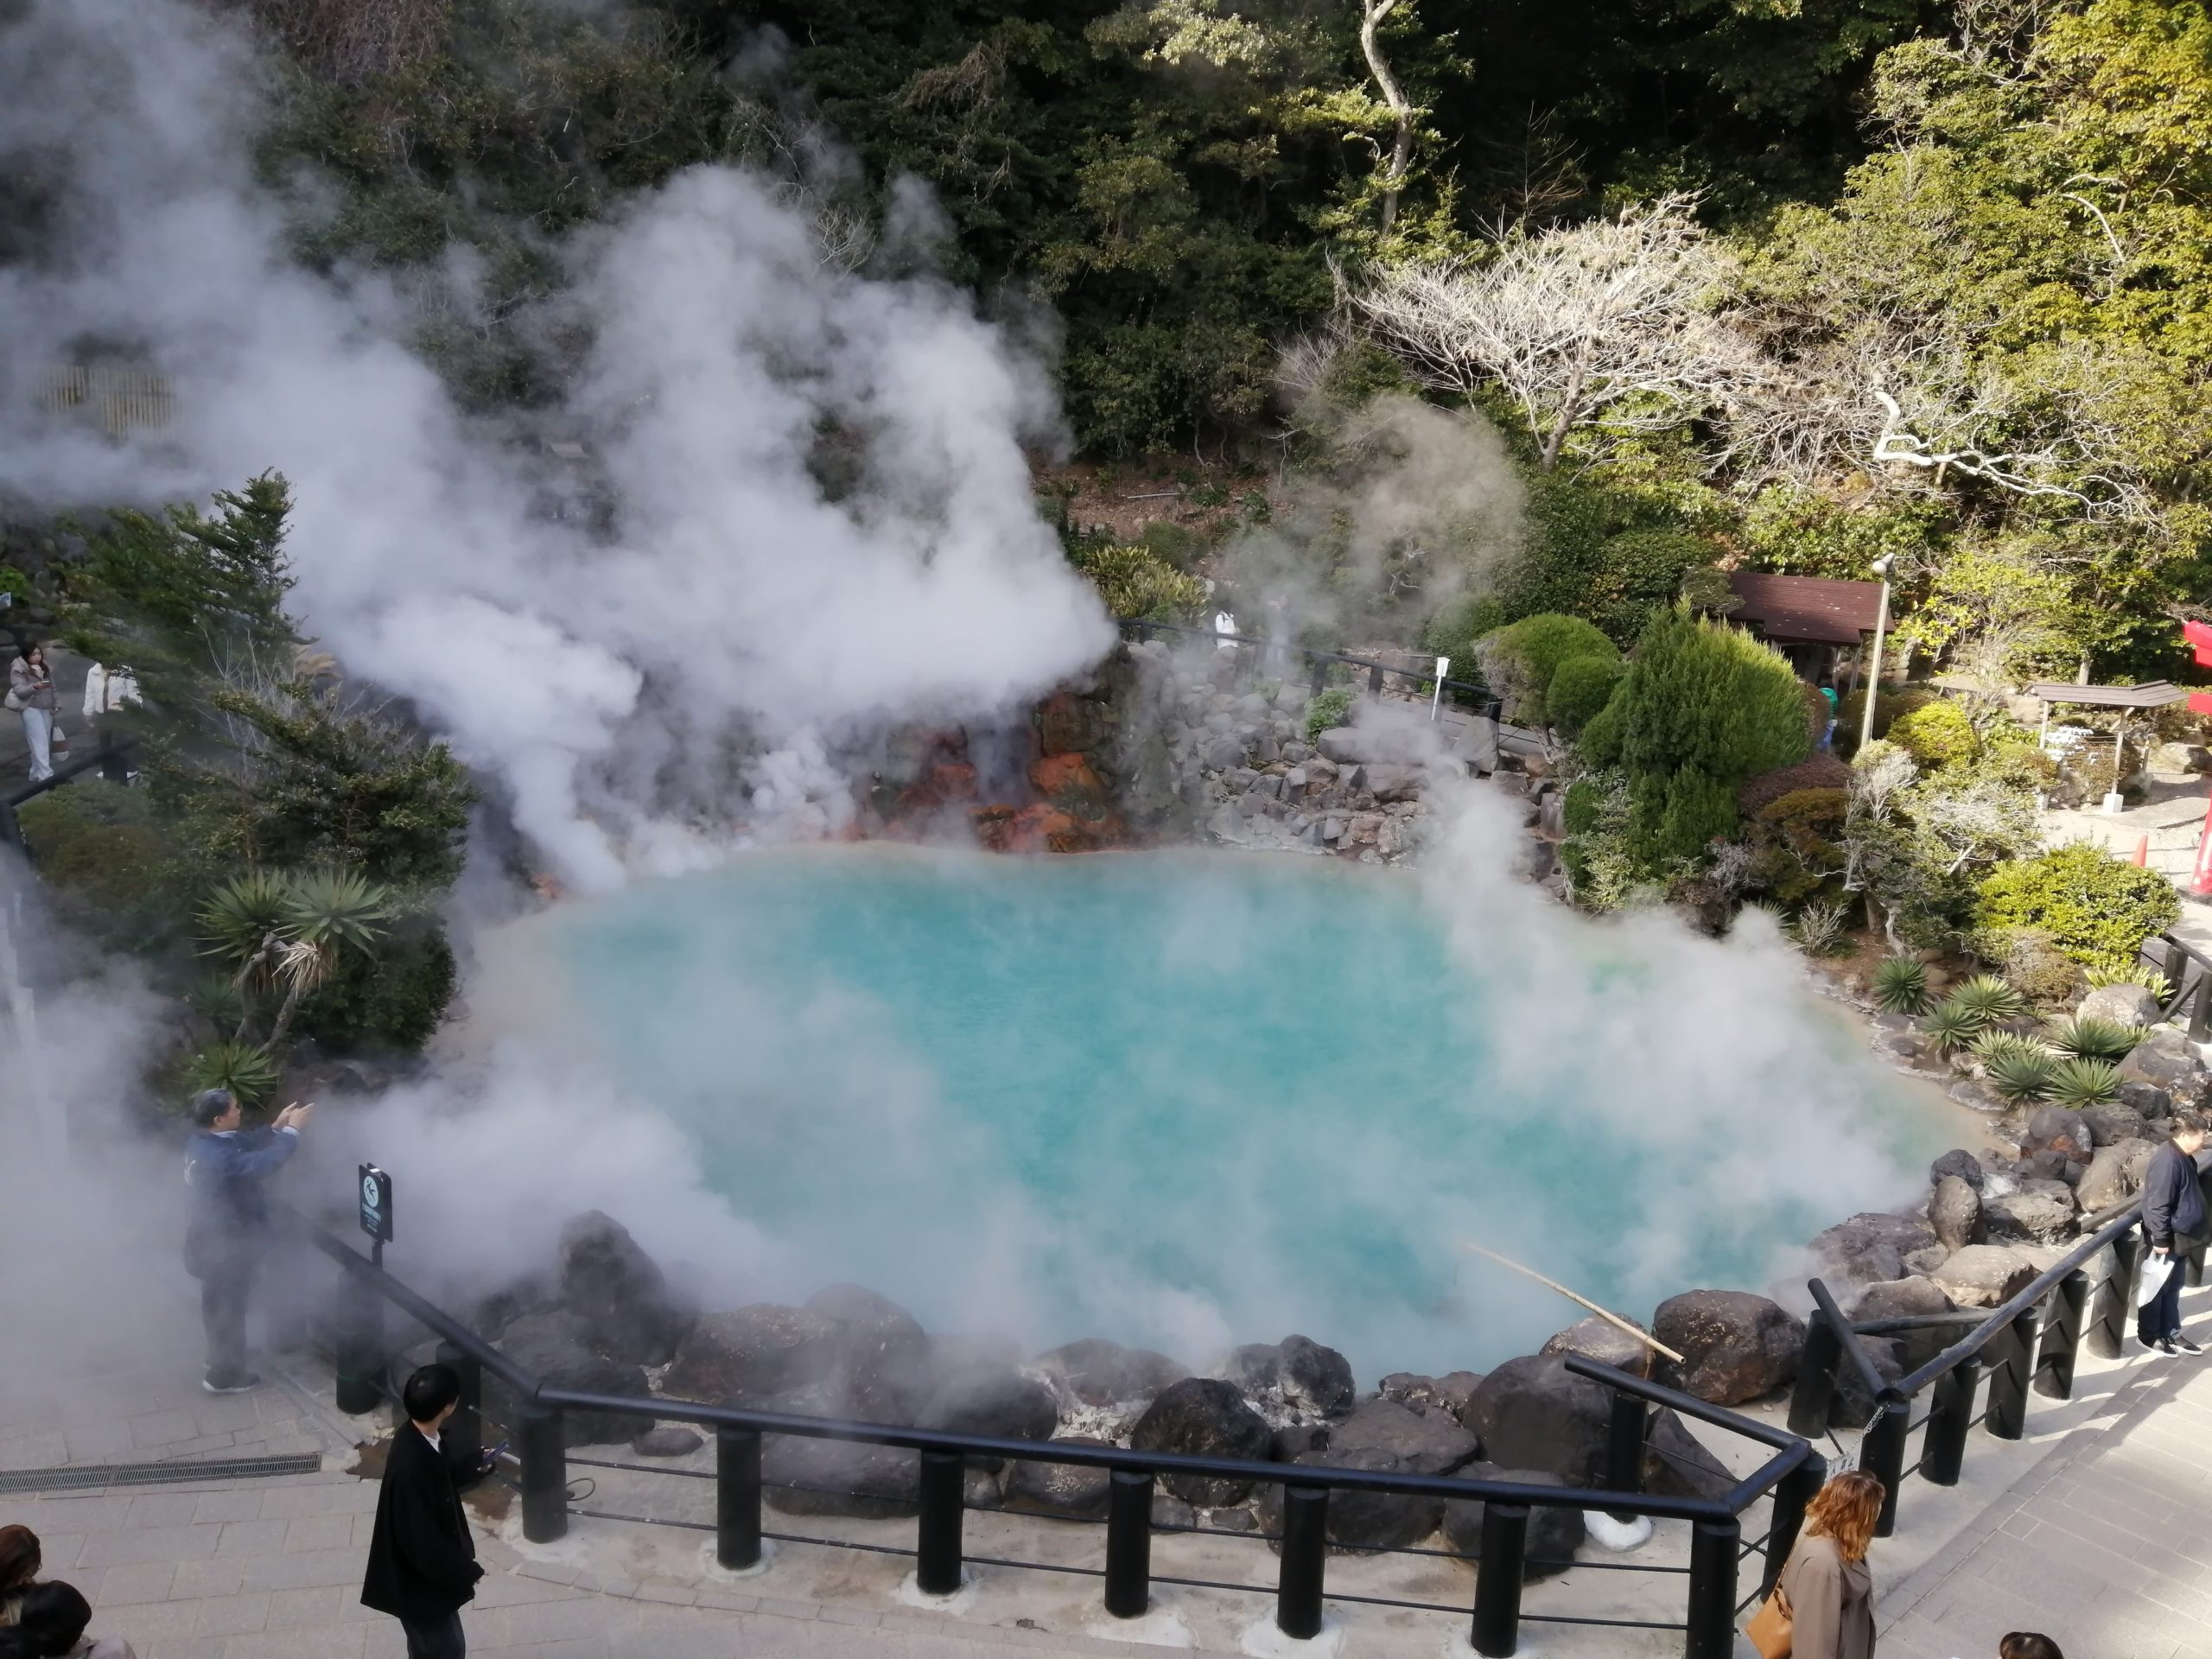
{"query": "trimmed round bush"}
(2096, 909)
(1580, 687)
(1519, 659)
(1936, 734)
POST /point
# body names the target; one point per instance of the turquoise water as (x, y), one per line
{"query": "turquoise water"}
(1186, 1100)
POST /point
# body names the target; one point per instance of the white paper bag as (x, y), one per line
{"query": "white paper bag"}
(2156, 1270)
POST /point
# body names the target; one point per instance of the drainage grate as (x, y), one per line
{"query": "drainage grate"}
(156, 1474)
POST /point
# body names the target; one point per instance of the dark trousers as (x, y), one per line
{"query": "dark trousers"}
(2160, 1317)
(437, 1638)
(223, 1296)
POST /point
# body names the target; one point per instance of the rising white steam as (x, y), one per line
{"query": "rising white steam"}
(622, 688)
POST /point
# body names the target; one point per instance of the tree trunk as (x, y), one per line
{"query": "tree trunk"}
(1372, 13)
(1556, 439)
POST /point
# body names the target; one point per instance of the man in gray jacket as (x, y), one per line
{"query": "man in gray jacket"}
(2173, 1210)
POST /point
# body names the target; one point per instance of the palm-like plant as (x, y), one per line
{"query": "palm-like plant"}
(2089, 1037)
(291, 931)
(2141, 974)
(2078, 1082)
(1951, 1026)
(245, 1069)
(1990, 997)
(2019, 1068)
(1901, 986)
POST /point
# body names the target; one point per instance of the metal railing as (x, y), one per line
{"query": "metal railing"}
(2175, 959)
(1469, 694)
(1789, 1479)
(2030, 1343)
(108, 760)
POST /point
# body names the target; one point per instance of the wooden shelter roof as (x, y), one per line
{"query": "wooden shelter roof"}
(1817, 609)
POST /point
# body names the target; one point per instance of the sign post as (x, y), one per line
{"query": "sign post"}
(361, 1356)
(376, 1210)
(2198, 638)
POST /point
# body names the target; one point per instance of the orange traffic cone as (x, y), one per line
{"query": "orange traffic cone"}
(2142, 852)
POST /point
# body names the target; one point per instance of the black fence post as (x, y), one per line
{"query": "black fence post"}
(1624, 1448)
(1815, 1391)
(1796, 1490)
(2200, 1008)
(1714, 1548)
(1497, 1579)
(737, 1498)
(1305, 1558)
(1950, 1415)
(1129, 1543)
(2012, 1360)
(540, 1442)
(359, 1342)
(2114, 1304)
(2193, 1258)
(1317, 678)
(1881, 1455)
(462, 1438)
(936, 1555)
(2062, 1338)
(1374, 681)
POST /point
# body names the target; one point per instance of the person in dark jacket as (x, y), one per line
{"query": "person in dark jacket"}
(2173, 1210)
(225, 1166)
(423, 1567)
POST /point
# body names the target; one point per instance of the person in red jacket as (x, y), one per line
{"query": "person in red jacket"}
(423, 1567)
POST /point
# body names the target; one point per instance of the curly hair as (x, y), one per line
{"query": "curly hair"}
(1846, 1509)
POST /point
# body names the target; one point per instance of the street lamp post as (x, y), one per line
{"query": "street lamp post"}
(1874, 669)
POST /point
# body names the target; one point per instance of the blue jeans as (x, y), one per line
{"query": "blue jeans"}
(2160, 1317)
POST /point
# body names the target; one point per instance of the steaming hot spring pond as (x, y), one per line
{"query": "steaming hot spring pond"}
(1185, 1100)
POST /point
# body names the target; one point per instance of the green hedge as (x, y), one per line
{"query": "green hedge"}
(2095, 908)
(1519, 659)
(390, 1003)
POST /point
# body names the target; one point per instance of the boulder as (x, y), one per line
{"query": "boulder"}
(1954, 1212)
(2166, 1059)
(1060, 1488)
(2128, 1005)
(667, 1440)
(1342, 744)
(1977, 1096)
(1420, 1442)
(848, 1477)
(1308, 1376)
(878, 1334)
(1207, 1417)
(1984, 1275)
(2113, 1122)
(998, 1402)
(1676, 1463)
(1735, 1346)
(1356, 1520)
(2155, 1104)
(742, 1356)
(2173, 758)
(2035, 1212)
(2055, 1129)
(1555, 1534)
(619, 1291)
(1851, 1406)
(1867, 1250)
(493, 1310)
(1961, 1163)
(1392, 783)
(2115, 1175)
(556, 1349)
(1603, 1341)
(1924, 1262)
(1908, 1299)
(1095, 1372)
(1534, 1414)
(1450, 1394)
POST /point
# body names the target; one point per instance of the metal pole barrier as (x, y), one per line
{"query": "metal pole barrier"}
(1714, 1547)
(2200, 1009)
(1129, 1543)
(737, 1498)
(1497, 1579)
(1305, 1556)
(2115, 1301)
(360, 1345)
(1950, 1413)
(1881, 1455)
(936, 1555)
(2062, 1338)
(1796, 1490)
(2012, 1360)
(1374, 681)
(1624, 1448)
(1815, 1391)
(544, 1454)
(462, 1438)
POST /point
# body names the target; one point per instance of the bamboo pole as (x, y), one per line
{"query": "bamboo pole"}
(1627, 1326)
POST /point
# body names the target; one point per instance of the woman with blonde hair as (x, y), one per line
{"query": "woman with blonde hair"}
(1828, 1585)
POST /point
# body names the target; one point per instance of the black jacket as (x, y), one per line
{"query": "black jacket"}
(2173, 1200)
(421, 1561)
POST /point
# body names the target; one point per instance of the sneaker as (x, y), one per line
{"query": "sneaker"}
(2159, 1346)
(2183, 1343)
(243, 1383)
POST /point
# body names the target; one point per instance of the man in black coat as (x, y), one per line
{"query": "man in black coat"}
(421, 1562)
(2173, 1208)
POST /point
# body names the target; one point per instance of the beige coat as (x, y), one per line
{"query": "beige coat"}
(1831, 1603)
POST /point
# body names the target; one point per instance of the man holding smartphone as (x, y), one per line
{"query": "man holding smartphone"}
(422, 1568)
(224, 1164)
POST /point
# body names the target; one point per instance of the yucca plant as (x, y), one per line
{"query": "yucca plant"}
(2078, 1082)
(1901, 985)
(289, 930)
(1951, 1026)
(2141, 974)
(1818, 929)
(2019, 1068)
(1992, 998)
(245, 1069)
(2089, 1037)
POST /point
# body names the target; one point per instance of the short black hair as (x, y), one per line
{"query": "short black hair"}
(49, 1620)
(429, 1391)
(210, 1104)
(2028, 1644)
(2185, 1123)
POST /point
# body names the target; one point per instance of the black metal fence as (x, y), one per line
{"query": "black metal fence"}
(2029, 1345)
(1788, 1478)
(2189, 981)
(1468, 695)
(111, 760)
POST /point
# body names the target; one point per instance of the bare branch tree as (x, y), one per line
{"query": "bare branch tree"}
(1614, 323)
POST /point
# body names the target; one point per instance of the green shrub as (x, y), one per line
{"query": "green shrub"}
(1818, 929)
(1580, 688)
(1178, 546)
(244, 1069)
(2140, 973)
(2033, 964)
(391, 1001)
(110, 865)
(1453, 628)
(1901, 985)
(1579, 810)
(2095, 908)
(1327, 710)
(1937, 734)
(1519, 659)
(1135, 582)
(1888, 708)
(2078, 1082)
(2088, 1037)
(1952, 1026)
(1992, 998)
(2019, 1068)
(15, 584)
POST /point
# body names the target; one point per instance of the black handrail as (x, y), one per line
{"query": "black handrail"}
(106, 757)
